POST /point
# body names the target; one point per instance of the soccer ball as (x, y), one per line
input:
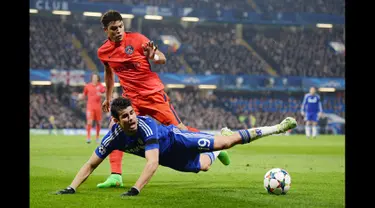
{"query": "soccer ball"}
(277, 181)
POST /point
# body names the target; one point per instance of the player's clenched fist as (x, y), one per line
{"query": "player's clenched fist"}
(67, 190)
(105, 106)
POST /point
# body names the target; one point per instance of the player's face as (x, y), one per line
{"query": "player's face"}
(312, 90)
(128, 120)
(95, 78)
(115, 31)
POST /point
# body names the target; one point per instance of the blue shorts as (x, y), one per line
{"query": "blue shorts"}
(186, 148)
(311, 117)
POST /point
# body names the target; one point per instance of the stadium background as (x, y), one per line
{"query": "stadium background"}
(235, 63)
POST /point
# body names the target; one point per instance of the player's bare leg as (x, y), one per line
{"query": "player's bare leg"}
(88, 129)
(182, 126)
(206, 159)
(97, 131)
(115, 160)
(222, 155)
(248, 135)
(308, 129)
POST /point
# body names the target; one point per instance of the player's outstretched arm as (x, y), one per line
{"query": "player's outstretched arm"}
(152, 164)
(82, 174)
(109, 79)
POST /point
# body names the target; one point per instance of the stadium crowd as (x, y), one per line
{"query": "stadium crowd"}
(335, 7)
(300, 52)
(51, 45)
(46, 103)
(210, 49)
(202, 4)
(200, 109)
(204, 49)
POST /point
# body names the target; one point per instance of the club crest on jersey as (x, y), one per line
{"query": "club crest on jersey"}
(102, 150)
(129, 49)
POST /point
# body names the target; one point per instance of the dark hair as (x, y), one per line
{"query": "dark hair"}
(96, 75)
(110, 16)
(118, 105)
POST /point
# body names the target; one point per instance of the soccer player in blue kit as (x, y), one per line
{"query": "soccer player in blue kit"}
(181, 150)
(312, 109)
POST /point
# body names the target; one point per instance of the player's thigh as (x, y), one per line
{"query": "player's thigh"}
(158, 106)
(98, 115)
(204, 161)
(184, 161)
(193, 141)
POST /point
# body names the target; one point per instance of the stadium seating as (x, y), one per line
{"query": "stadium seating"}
(205, 49)
(45, 103)
(195, 108)
(51, 45)
(209, 49)
(216, 4)
(297, 52)
(336, 7)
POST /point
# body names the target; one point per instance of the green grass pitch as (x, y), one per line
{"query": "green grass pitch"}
(317, 169)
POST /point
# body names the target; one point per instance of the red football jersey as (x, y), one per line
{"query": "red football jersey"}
(130, 65)
(93, 92)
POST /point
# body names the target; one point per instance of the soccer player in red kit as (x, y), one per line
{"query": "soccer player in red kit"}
(127, 54)
(93, 91)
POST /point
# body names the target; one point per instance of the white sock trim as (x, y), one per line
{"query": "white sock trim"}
(216, 153)
(314, 131)
(308, 130)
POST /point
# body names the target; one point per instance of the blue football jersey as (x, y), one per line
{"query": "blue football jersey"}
(178, 149)
(150, 135)
(311, 104)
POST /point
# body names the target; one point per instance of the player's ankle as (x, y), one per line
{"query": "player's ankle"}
(115, 173)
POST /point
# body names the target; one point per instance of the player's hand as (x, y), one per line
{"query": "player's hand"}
(81, 96)
(67, 190)
(105, 106)
(303, 113)
(132, 192)
(149, 49)
(320, 115)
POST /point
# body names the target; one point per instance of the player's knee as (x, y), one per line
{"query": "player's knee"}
(205, 167)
